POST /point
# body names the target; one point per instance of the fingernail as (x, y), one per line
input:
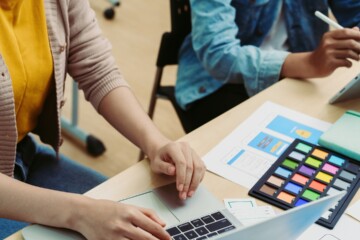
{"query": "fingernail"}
(183, 196)
(180, 187)
(191, 193)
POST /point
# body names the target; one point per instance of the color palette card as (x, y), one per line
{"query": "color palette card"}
(306, 172)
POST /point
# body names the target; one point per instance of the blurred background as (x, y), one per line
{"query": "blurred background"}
(135, 33)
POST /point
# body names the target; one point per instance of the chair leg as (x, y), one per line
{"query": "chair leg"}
(156, 85)
(93, 145)
(109, 13)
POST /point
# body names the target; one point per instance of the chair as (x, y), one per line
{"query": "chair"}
(168, 55)
(93, 145)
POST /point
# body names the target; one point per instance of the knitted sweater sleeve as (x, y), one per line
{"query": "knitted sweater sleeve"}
(90, 61)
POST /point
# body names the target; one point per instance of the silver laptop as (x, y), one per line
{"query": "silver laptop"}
(204, 217)
(350, 91)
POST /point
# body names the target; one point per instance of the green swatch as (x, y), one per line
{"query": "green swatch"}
(303, 147)
(290, 164)
(313, 162)
(311, 195)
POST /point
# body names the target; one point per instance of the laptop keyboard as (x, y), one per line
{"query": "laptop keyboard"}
(204, 227)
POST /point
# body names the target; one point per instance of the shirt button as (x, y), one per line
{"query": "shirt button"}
(202, 89)
(62, 103)
(3, 74)
(62, 47)
(259, 32)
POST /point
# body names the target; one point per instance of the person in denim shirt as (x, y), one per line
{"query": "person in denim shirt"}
(222, 62)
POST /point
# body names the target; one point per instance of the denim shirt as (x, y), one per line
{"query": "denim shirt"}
(223, 46)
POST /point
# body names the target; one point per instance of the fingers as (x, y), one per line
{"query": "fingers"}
(179, 159)
(336, 49)
(199, 173)
(342, 39)
(348, 44)
(149, 226)
(112, 220)
(141, 223)
(346, 53)
(194, 171)
(181, 162)
(152, 215)
(189, 171)
(167, 168)
(346, 33)
(135, 233)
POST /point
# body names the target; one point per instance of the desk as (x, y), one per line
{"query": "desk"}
(308, 96)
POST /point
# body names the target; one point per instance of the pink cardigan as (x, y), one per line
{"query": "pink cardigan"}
(77, 49)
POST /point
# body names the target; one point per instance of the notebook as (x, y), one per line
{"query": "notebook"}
(349, 91)
(343, 136)
(187, 217)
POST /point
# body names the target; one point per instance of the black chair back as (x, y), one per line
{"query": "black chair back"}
(180, 28)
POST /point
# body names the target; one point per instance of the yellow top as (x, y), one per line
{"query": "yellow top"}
(24, 45)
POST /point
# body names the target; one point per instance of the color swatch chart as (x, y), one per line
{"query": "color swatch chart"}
(306, 172)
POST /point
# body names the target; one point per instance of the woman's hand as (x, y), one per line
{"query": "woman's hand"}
(122, 110)
(336, 49)
(179, 159)
(107, 220)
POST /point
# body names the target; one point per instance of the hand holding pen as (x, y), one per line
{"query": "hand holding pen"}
(337, 48)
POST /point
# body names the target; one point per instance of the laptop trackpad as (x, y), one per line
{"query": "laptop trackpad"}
(150, 200)
(166, 203)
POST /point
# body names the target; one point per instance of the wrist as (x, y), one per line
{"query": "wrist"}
(79, 207)
(153, 144)
(298, 65)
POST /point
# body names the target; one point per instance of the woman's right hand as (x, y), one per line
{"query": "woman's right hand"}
(336, 49)
(104, 219)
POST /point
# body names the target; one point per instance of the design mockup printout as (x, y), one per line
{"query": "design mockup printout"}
(248, 151)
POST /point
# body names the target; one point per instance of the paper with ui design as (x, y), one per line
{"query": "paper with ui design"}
(247, 152)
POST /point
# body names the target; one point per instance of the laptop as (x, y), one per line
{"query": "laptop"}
(203, 216)
(350, 91)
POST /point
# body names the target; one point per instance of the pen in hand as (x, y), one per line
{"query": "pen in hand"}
(328, 20)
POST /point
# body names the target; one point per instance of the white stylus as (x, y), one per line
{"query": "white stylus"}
(328, 20)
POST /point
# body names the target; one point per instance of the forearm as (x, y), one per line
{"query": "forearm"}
(23, 202)
(122, 110)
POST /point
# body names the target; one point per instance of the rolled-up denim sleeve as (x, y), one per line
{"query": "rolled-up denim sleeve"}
(221, 54)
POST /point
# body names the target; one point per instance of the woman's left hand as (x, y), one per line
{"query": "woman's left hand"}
(179, 159)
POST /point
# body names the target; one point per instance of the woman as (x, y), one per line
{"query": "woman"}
(41, 42)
